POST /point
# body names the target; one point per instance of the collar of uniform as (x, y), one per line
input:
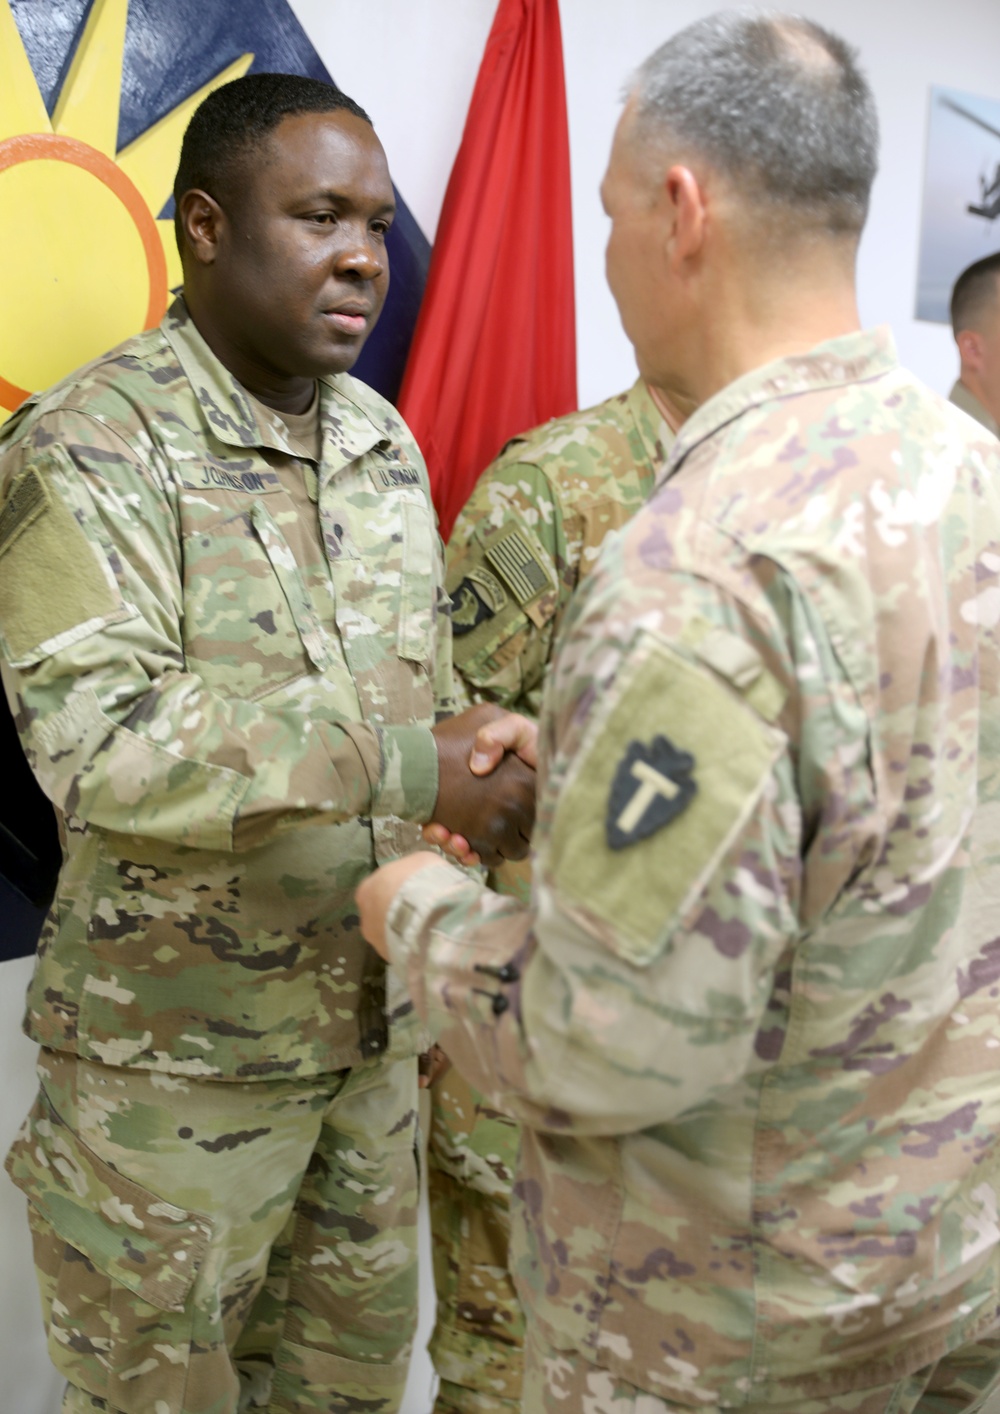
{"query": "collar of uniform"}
(969, 403)
(232, 417)
(851, 358)
(654, 431)
(348, 428)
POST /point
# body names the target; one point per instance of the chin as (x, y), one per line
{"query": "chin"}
(326, 366)
(340, 360)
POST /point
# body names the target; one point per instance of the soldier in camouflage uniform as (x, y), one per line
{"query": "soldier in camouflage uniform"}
(749, 1020)
(222, 631)
(975, 323)
(558, 492)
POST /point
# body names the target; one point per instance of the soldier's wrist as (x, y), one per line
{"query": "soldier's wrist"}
(408, 786)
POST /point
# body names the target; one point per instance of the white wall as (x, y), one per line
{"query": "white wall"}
(421, 58)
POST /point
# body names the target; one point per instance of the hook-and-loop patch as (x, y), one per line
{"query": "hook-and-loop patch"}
(668, 774)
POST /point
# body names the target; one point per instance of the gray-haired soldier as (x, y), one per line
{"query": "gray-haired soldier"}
(749, 1019)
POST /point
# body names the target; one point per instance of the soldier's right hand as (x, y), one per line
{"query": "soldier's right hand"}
(511, 732)
(493, 813)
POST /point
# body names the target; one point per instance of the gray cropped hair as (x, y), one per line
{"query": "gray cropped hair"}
(774, 103)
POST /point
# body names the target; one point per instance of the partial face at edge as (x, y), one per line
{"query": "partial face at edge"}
(988, 356)
(301, 271)
(635, 259)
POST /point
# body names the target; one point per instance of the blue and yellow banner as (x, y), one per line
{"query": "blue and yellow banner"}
(94, 100)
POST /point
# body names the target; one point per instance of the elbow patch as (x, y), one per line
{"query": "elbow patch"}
(669, 773)
(53, 588)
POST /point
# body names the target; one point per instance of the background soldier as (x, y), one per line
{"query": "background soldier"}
(975, 322)
(748, 1020)
(552, 496)
(221, 619)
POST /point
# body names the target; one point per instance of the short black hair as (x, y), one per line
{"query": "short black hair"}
(974, 292)
(233, 122)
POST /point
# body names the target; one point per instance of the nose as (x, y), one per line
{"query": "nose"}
(363, 257)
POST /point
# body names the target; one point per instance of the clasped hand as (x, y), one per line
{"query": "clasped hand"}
(485, 807)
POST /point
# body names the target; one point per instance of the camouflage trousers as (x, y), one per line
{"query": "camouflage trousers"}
(479, 1329)
(564, 1382)
(205, 1247)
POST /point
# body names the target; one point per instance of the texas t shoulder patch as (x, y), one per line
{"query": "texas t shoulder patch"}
(652, 786)
(666, 777)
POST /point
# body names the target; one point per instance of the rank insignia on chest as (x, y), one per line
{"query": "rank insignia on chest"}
(652, 786)
(479, 596)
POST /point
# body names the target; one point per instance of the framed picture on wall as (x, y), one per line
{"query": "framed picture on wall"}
(961, 208)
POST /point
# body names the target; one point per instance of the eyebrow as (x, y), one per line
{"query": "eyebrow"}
(387, 208)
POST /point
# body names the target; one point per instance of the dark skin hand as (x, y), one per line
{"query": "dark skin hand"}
(431, 1066)
(494, 813)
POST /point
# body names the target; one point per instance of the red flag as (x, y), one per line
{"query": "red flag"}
(495, 345)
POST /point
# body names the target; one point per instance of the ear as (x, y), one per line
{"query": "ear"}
(970, 348)
(202, 220)
(687, 208)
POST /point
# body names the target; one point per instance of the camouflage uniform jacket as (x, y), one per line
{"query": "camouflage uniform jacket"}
(750, 1021)
(531, 530)
(207, 641)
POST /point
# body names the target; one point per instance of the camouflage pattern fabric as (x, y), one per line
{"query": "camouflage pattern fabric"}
(224, 659)
(750, 1019)
(963, 1381)
(196, 1239)
(558, 491)
(562, 489)
(208, 640)
(479, 1326)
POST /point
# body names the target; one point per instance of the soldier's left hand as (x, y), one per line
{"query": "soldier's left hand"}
(376, 894)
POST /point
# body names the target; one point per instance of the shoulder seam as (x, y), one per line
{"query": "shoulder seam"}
(110, 428)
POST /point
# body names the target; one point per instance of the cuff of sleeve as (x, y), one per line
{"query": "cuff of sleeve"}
(420, 902)
(409, 784)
